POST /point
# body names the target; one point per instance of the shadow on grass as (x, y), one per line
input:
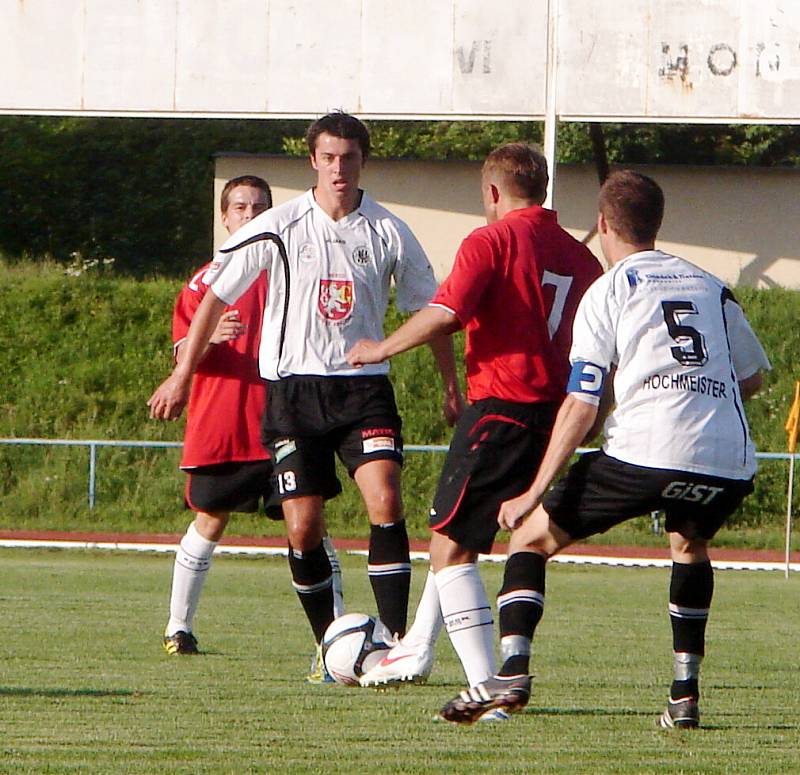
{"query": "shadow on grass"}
(733, 724)
(534, 711)
(24, 691)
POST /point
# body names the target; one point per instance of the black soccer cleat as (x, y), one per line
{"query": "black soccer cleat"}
(681, 714)
(511, 693)
(180, 642)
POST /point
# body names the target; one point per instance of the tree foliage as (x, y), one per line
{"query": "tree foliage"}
(139, 190)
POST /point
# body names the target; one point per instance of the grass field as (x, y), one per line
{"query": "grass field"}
(86, 688)
(80, 356)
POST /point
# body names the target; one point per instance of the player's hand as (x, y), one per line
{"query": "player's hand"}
(513, 512)
(229, 327)
(365, 351)
(170, 398)
(453, 407)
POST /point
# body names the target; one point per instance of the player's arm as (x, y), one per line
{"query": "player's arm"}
(169, 399)
(575, 418)
(607, 401)
(428, 324)
(751, 385)
(749, 357)
(442, 348)
(230, 327)
(432, 325)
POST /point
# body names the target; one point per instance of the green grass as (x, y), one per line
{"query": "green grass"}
(81, 355)
(85, 686)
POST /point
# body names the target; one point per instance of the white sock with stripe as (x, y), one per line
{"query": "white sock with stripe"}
(192, 561)
(336, 571)
(468, 619)
(428, 620)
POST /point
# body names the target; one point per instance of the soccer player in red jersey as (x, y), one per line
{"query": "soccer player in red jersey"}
(514, 289)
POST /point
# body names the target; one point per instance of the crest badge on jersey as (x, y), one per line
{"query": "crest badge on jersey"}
(361, 255)
(307, 252)
(335, 301)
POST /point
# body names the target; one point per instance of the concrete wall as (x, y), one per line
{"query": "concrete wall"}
(739, 223)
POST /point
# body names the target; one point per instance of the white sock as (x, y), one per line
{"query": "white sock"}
(336, 569)
(468, 619)
(428, 620)
(192, 561)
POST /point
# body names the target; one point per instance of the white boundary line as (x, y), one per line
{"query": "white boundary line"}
(572, 559)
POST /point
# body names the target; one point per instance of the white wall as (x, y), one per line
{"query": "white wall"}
(740, 223)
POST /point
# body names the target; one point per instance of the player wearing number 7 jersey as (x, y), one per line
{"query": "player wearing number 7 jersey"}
(681, 356)
(514, 288)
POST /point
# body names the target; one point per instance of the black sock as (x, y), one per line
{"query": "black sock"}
(680, 690)
(690, 591)
(389, 567)
(313, 581)
(520, 605)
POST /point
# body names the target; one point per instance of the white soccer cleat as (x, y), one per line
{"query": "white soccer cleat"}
(401, 664)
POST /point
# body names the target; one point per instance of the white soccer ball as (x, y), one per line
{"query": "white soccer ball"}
(353, 644)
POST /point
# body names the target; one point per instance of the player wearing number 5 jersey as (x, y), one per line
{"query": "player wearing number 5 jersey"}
(680, 355)
(514, 288)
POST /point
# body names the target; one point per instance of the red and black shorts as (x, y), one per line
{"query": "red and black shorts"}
(309, 420)
(599, 492)
(494, 455)
(229, 487)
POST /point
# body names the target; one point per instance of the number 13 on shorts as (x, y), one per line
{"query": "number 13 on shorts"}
(287, 482)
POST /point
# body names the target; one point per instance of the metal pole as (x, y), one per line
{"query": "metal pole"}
(550, 119)
(92, 473)
(789, 515)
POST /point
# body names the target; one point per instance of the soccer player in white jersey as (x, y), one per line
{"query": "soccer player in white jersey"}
(673, 345)
(329, 256)
(228, 469)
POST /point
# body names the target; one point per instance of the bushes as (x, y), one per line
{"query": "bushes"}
(81, 354)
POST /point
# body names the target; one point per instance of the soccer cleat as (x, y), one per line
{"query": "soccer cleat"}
(507, 692)
(681, 714)
(180, 642)
(411, 664)
(318, 673)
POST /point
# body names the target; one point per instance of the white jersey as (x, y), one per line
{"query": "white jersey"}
(680, 343)
(331, 286)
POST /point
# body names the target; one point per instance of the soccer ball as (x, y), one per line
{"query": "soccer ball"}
(353, 644)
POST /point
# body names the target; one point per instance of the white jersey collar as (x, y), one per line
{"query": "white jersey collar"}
(365, 209)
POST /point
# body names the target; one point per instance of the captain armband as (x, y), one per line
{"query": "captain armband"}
(586, 381)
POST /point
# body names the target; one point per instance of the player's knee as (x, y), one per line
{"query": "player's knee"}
(211, 526)
(688, 548)
(384, 505)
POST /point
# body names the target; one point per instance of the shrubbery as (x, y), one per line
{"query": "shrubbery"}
(81, 353)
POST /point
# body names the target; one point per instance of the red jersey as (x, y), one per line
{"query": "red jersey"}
(515, 287)
(228, 395)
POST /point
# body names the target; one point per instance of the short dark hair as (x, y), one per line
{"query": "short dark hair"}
(342, 125)
(523, 168)
(633, 206)
(244, 180)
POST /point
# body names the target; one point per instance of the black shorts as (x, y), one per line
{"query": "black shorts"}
(229, 487)
(599, 492)
(310, 419)
(494, 455)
